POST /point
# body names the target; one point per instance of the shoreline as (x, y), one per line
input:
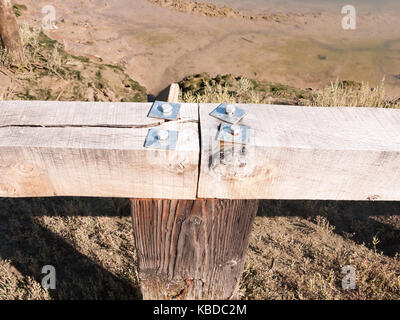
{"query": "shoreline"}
(158, 46)
(212, 10)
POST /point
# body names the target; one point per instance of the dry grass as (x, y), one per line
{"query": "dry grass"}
(88, 241)
(50, 73)
(338, 94)
(219, 93)
(297, 249)
(300, 257)
(201, 88)
(204, 89)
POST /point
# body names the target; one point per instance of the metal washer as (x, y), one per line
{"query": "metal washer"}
(152, 140)
(156, 111)
(225, 134)
(220, 113)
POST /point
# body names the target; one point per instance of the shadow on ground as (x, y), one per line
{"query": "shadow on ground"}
(29, 245)
(90, 243)
(360, 221)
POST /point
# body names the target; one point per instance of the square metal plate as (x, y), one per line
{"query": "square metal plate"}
(225, 134)
(220, 113)
(153, 142)
(156, 111)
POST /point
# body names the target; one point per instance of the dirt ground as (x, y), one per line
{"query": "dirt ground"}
(297, 249)
(50, 73)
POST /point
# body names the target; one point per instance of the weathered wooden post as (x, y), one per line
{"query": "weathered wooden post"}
(9, 33)
(191, 249)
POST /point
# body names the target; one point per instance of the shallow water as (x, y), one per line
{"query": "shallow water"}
(370, 53)
(158, 46)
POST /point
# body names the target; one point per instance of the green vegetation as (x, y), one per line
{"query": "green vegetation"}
(202, 88)
(353, 94)
(19, 9)
(50, 73)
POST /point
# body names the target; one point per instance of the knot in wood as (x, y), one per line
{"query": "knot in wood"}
(196, 220)
(7, 189)
(25, 169)
(231, 263)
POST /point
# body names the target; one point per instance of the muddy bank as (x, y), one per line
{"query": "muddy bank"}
(50, 73)
(202, 88)
(157, 46)
(211, 10)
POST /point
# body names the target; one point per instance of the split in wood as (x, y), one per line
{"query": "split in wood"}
(97, 149)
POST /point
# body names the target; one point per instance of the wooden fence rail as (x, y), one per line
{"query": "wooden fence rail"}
(94, 149)
(97, 149)
(191, 245)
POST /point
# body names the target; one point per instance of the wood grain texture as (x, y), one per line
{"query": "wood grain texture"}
(304, 153)
(191, 249)
(173, 95)
(84, 149)
(9, 32)
(57, 113)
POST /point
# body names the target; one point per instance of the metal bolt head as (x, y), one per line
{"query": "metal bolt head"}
(162, 135)
(158, 138)
(230, 109)
(235, 130)
(166, 108)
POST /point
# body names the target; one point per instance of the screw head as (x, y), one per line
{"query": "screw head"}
(166, 108)
(235, 130)
(162, 135)
(230, 109)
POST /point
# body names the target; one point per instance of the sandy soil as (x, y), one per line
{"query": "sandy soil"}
(297, 250)
(158, 45)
